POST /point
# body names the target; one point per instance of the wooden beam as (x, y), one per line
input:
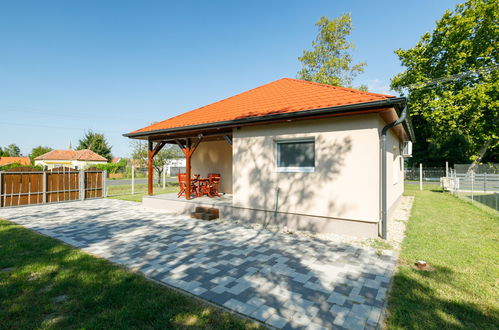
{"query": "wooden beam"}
(150, 156)
(158, 147)
(180, 145)
(200, 136)
(228, 139)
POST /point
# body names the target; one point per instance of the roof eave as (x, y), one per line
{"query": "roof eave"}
(395, 101)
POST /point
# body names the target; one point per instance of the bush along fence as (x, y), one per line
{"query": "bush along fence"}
(26, 186)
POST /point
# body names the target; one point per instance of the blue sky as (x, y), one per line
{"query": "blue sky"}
(115, 66)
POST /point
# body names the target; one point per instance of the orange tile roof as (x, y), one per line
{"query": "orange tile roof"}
(12, 160)
(84, 154)
(281, 96)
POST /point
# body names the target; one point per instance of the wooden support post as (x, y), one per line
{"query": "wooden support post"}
(151, 152)
(150, 158)
(188, 149)
(187, 152)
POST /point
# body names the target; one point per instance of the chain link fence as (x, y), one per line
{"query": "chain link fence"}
(480, 186)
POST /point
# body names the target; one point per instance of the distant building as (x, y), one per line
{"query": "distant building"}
(175, 166)
(116, 160)
(77, 159)
(12, 160)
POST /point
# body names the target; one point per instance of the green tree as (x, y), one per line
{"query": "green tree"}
(12, 150)
(97, 143)
(169, 152)
(329, 61)
(38, 151)
(2, 153)
(112, 168)
(452, 75)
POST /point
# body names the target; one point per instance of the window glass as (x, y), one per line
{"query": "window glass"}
(396, 168)
(296, 154)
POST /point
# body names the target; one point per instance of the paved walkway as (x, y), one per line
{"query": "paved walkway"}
(282, 280)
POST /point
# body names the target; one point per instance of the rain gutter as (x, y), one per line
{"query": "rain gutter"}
(384, 192)
(281, 116)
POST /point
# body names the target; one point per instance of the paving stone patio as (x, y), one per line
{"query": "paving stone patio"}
(282, 280)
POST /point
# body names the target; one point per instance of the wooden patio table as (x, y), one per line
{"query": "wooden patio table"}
(200, 182)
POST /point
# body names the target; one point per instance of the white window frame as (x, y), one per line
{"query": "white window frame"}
(293, 169)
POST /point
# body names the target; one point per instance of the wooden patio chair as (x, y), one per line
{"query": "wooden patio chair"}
(182, 185)
(211, 187)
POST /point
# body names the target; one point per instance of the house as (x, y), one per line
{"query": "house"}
(115, 160)
(12, 160)
(77, 159)
(175, 166)
(295, 153)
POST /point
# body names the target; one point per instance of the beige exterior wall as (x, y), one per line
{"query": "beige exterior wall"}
(344, 185)
(214, 157)
(394, 169)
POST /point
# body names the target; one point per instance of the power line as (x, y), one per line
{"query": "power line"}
(18, 109)
(59, 127)
(426, 84)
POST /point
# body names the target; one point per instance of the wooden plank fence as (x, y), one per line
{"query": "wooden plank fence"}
(24, 186)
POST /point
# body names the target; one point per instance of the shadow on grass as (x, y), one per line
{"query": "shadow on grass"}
(414, 304)
(46, 284)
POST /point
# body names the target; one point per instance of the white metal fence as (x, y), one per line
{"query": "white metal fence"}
(428, 174)
(481, 188)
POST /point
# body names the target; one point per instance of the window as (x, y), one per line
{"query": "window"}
(295, 155)
(396, 166)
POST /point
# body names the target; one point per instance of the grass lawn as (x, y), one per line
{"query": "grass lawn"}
(124, 191)
(459, 241)
(45, 284)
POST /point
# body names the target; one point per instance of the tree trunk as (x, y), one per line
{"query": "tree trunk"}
(481, 153)
(159, 176)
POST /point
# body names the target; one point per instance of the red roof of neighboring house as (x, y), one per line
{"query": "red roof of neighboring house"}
(116, 160)
(281, 96)
(12, 160)
(85, 155)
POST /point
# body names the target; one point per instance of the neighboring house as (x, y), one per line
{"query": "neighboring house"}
(298, 154)
(116, 160)
(175, 166)
(77, 159)
(13, 160)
